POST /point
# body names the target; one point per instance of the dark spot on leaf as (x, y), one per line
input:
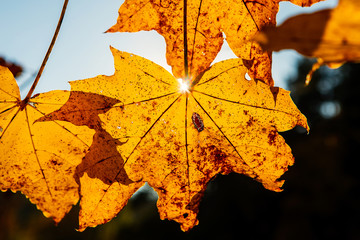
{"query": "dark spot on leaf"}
(219, 155)
(250, 122)
(248, 63)
(272, 136)
(344, 41)
(55, 162)
(275, 92)
(154, 103)
(162, 190)
(238, 28)
(171, 159)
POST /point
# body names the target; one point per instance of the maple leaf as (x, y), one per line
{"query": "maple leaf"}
(39, 158)
(205, 22)
(332, 35)
(178, 137)
(102, 165)
(302, 3)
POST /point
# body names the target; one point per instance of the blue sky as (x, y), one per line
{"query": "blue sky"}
(82, 49)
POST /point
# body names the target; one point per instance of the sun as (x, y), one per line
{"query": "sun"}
(184, 85)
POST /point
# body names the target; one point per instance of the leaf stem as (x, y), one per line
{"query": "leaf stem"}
(186, 64)
(33, 86)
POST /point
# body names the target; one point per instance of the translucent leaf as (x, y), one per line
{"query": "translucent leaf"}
(157, 129)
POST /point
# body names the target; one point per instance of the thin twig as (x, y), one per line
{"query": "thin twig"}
(186, 64)
(28, 96)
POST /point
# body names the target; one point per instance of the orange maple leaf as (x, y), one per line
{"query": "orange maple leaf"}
(333, 35)
(39, 158)
(205, 22)
(178, 135)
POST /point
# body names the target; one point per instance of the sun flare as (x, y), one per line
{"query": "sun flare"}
(184, 86)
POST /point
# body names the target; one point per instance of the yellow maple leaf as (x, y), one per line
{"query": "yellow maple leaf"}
(39, 158)
(205, 21)
(178, 135)
(102, 165)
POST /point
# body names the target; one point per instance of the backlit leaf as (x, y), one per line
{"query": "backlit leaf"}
(206, 23)
(332, 35)
(159, 142)
(102, 165)
(39, 158)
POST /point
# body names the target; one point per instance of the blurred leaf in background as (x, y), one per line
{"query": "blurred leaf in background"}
(14, 68)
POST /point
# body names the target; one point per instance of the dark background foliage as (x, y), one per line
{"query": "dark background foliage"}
(320, 198)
